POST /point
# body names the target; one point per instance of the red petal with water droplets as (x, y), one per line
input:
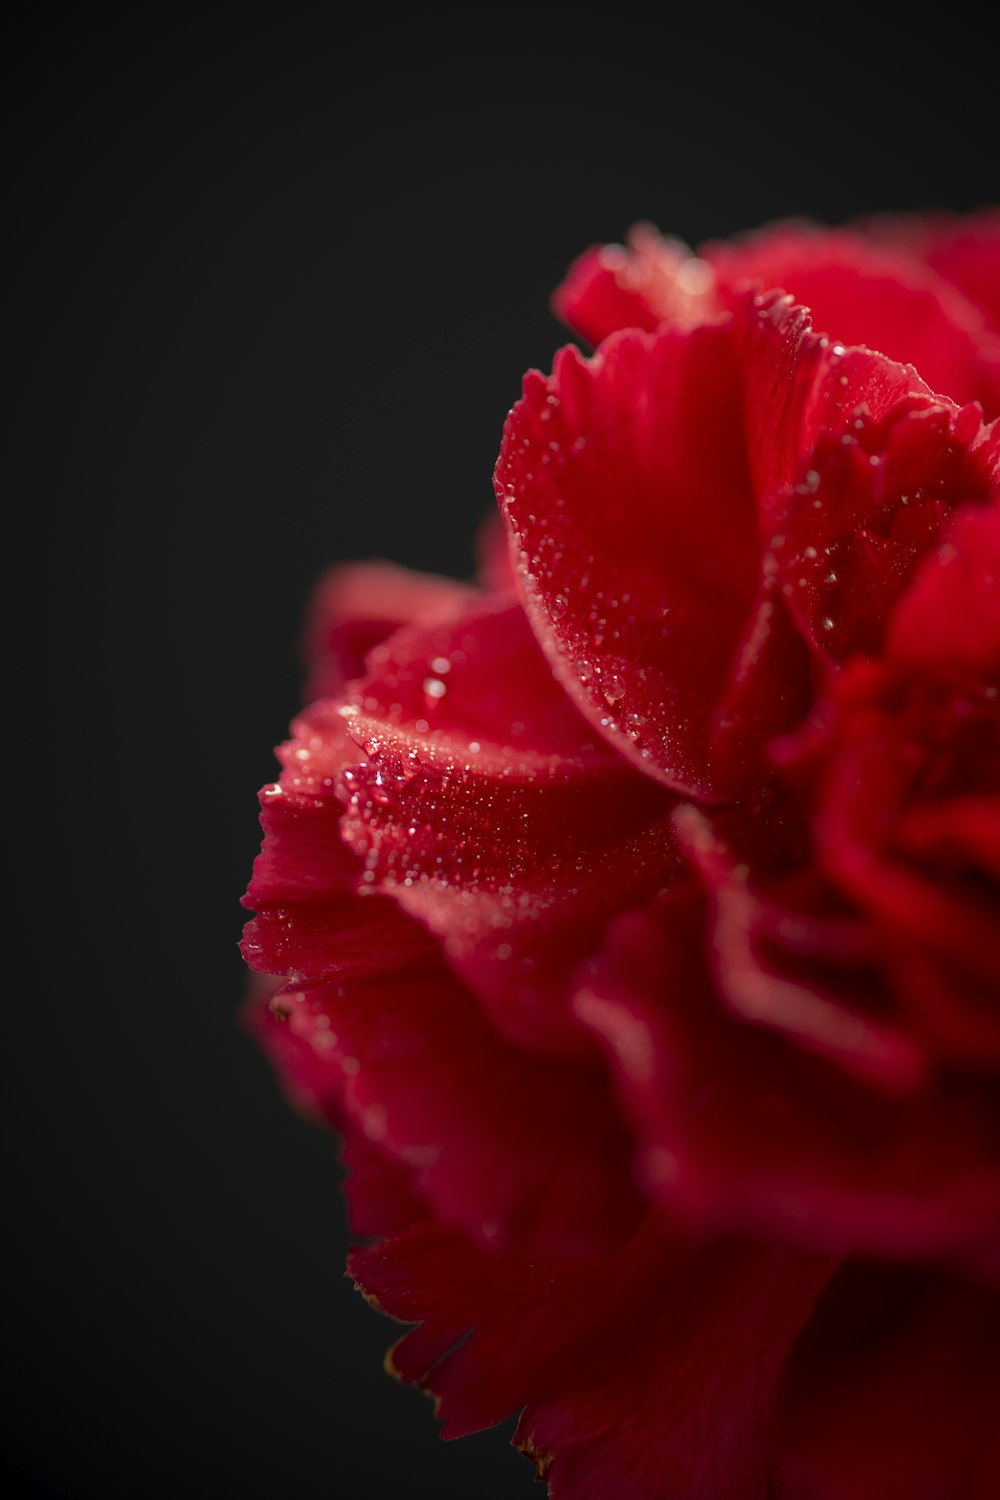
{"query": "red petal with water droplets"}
(742, 1129)
(893, 1392)
(634, 486)
(309, 924)
(625, 485)
(484, 804)
(876, 497)
(355, 606)
(641, 284)
(647, 1371)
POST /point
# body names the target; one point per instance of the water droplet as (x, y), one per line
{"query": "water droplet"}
(613, 689)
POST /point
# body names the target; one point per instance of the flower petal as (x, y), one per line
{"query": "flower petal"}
(641, 284)
(481, 801)
(792, 960)
(876, 497)
(741, 1130)
(948, 622)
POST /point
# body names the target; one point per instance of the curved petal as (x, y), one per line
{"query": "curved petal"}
(786, 956)
(683, 440)
(625, 485)
(872, 295)
(647, 281)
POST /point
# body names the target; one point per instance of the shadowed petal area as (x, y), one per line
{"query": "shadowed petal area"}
(893, 1392)
(904, 756)
(481, 801)
(742, 1128)
(646, 1372)
(500, 1141)
(785, 954)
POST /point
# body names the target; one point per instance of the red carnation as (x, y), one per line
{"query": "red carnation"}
(633, 915)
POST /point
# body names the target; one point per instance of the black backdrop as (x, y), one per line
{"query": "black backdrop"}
(275, 280)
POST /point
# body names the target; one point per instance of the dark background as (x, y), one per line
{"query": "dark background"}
(273, 283)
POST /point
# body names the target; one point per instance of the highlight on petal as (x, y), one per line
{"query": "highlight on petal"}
(647, 281)
(647, 1371)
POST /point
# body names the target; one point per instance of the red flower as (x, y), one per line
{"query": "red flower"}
(637, 909)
